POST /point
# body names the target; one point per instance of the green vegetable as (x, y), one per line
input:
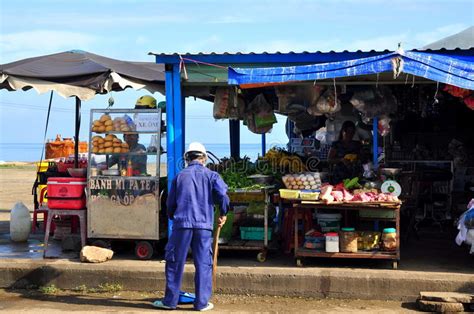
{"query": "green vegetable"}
(352, 183)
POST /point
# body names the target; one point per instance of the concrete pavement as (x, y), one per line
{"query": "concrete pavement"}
(280, 281)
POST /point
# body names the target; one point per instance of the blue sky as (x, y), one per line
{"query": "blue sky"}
(128, 30)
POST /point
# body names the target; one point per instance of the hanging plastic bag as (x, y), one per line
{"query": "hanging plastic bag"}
(259, 104)
(374, 101)
(264, 119)
(228, 104)
(315, 92)
(328, 103)
(221, 103)
(384, 126)
(260, 117)
(237, 111)
(249, 121)
(321, 135)
(286, 95)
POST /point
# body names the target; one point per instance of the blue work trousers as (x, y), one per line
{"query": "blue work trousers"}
(177, 248)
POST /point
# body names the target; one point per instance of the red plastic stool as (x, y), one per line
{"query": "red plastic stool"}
(289, 227)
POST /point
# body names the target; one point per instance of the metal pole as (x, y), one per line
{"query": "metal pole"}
(375, 144)
(178, 118)
(76, 135)
(264, 144)
(169, 131)
(234, 134)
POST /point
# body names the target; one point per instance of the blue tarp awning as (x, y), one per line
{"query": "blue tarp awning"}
(457, 70)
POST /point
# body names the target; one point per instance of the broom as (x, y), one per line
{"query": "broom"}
(216, 251)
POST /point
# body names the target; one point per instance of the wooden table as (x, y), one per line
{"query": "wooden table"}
(394, 256)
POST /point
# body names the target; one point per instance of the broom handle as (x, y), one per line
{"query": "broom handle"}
(215, 249)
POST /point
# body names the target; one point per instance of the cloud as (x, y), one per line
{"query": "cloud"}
(213, 43)
(409, 40)
(15, 46)
(142, 40)
(231, 20)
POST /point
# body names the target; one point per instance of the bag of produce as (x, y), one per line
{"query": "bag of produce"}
(315, 96)
(328, 103)
(374, 101)
(286, 95)
(264, 119)
(221, 103)
(260, 117)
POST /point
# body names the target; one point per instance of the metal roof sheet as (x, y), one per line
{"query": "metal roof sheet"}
(290, 58)
(189, 54)
(463, 39)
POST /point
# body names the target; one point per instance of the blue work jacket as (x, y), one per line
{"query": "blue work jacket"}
(194, 191)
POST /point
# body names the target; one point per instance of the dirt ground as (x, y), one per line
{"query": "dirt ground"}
(16, 183)
(33, 301)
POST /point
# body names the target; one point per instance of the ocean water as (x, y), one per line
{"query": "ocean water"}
(32, 151)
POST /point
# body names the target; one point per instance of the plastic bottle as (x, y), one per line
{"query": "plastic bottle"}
(129, 168)
(20, 223)
(123, 167)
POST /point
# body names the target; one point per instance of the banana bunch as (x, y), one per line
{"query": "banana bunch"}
(350, 157)
(274, 155)
(284, 161)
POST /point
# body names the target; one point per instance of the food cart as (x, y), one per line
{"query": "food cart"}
(123, 199)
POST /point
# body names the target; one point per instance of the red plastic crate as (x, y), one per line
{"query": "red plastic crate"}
(66, 187)
(67, 203)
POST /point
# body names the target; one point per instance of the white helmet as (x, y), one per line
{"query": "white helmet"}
(196, 147)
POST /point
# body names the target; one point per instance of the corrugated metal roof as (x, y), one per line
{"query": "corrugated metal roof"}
(463, 39)
(189, 54)
(264, 53)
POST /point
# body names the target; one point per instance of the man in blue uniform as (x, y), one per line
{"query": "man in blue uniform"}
(193, 193)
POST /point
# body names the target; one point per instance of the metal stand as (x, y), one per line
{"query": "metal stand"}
(81, 213)
(246, 245)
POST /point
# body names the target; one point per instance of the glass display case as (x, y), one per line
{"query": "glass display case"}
(123, 194)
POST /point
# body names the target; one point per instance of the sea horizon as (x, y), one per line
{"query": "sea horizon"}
(31, 152)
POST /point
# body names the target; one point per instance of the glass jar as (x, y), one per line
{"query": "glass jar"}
(348, 240)
(389, 239)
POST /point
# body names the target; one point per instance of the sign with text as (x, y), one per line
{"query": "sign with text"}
(147, 122)
(123, 190)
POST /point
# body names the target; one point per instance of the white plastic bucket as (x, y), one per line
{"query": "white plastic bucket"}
(332, 243)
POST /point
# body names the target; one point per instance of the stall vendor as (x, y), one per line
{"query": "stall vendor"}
(345, 154)
(190, 202)
(138, 161)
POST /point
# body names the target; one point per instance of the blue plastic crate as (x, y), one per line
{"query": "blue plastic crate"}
(254, 233)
